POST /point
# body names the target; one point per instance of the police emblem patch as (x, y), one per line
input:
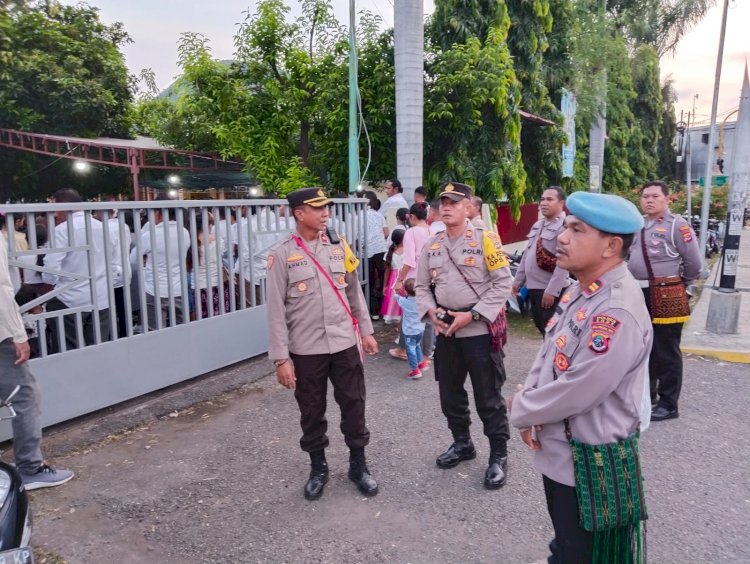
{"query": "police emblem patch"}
(294, 258)
(473, 244)
(565, 299)
(599, 343)
(434, 246)
(338, 251)
(469, 234)
(562, 362)
(561, 341)
(302, 287)
(269, 262)
(581, 314)
(470, 261)
(342, 280)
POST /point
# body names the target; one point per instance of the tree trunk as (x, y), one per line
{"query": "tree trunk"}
(408, 35)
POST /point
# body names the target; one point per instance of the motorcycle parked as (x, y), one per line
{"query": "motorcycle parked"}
(15, 513)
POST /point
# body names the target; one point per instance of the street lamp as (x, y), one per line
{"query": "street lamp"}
(173, 179)
(81, 166)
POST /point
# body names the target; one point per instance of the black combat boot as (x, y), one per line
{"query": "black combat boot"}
(318, 475)
(359, 473)
(461, 449)
(497, 471)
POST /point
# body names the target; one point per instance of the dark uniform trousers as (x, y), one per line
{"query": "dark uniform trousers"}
(454, 357)
(539, 314)
(346, 373)
(665, 362)
(562, 504)
(376, 265)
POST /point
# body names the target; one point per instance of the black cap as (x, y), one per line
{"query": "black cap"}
(455, 191)
(314, 197)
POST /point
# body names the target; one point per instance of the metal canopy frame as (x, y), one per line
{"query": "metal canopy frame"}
(111, 153)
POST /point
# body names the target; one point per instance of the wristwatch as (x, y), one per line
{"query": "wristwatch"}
(279, 362)
(475, 315)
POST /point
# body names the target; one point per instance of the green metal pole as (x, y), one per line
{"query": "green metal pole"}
(353, 141)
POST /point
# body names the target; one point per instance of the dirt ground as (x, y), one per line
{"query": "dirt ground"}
(212, 472)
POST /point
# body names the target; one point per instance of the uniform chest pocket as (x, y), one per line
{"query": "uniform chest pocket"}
(336, 264)
(301, 281)
(567, 342)
(549, 235)
(436, 260)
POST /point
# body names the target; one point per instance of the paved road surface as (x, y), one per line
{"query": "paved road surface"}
(222, 481)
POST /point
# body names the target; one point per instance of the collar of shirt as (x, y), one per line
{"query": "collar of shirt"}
(605, 279)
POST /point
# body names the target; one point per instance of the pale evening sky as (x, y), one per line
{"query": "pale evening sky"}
(155, 26)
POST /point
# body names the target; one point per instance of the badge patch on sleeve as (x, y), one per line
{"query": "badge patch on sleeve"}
(270, 261)
(565, 299)
(599, 343)
(494, 257)
(602, 329)
(351, 262)
(687, 234)
(562, 362)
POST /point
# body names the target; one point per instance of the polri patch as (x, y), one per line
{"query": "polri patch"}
(302, 287)
(565, 299)
(294, 258)
(581, 314)
(473, 244)
(435, 246)
(269, 261)
(599, 343)
(342, 280)
(470, 261)
(562, 362)
(604, 325)
(561, 341)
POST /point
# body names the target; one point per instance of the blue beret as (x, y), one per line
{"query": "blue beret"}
(605, 212)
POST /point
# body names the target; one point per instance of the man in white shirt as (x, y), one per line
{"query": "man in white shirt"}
(121, 278)
(164, 268)
(14, 371)
(90, 290)
(396, 200)
(376, 245)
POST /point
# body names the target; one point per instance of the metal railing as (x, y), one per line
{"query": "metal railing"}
(118, 269)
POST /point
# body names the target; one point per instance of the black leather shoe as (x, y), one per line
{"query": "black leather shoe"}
(360, 474)
(497, 473)
(461, 449)
(318, 475)
(661, 413)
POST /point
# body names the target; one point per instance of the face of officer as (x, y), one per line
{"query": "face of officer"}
(585, 251)
(654, 202)
(550, 204)
(453, 213)
(310, 218)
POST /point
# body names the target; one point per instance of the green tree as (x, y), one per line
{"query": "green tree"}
(647, 108)
(666, 152)
(472, 100)
(61, 72)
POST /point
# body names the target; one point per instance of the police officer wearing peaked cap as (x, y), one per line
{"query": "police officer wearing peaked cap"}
(463, 283)
(316, 309)
(591, 368)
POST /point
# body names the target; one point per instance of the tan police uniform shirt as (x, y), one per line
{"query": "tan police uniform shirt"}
(672, 249)
(479, 255)
(304, 315)
(597, 347)
(529, 272)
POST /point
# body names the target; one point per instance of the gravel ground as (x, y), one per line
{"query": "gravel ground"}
(221, 480)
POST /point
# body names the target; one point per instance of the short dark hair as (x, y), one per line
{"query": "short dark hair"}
(67, 196)
(435, 204)
(419, 210)
(397, 184)
(372, 199)
(659, 183)
(409, 286)
(627, 241)
(401, 213)
(560, 192)
(420, 190)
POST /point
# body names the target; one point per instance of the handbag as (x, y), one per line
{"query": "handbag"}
(498, 329)
(611, 501)
(545, 260)
(669, 302)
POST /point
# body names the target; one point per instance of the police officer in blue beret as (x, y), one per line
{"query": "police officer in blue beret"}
(592, 366)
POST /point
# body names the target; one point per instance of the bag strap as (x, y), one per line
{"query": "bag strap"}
(355, 322)
(645, 255)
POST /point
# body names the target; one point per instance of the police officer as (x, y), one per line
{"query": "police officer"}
(316, 310)
(544, 279)
(673, 250)
(470, 280)
(592, 364)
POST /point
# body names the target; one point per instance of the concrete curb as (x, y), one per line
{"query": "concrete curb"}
(721, 354)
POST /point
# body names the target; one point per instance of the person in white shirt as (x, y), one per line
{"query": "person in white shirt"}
(164, 266)
(433, 220)
(90, 290)
(209, 249)
(474, 212)
(376, 245)
(14, 371)
(121, 278)
(394, 191)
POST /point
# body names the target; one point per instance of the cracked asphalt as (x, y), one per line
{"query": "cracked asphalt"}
(211, 471)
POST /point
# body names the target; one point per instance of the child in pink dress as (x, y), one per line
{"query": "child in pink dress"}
(394, 260)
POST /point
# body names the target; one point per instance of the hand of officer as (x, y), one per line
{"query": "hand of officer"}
(528, 438)
(463, 318)
(548, 300)
(285, 375)
(370, 344)
(22, 352)
(440, 326)
(515, 290)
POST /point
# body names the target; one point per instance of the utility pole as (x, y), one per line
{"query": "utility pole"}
(724, 308)
(710, 160)
(689, 166)
(353, 105)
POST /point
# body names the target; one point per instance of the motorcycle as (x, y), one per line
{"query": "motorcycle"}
(15, 512)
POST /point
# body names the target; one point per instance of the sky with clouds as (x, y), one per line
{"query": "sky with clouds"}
(155, 26)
